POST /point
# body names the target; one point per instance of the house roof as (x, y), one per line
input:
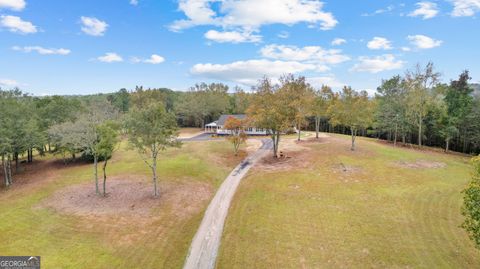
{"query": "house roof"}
(212, 124)
(221, 121)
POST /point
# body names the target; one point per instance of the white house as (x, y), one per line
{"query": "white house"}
(216, 127)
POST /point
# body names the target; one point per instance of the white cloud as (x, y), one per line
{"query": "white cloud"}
(427, 10)
(16, 5)
(252, 14)
(284, 34)
(424, 42)
(8, 82)
(309, 54)
(133, 2)
(406, 49)
(155, 59)
(328, 80)
(110, 57)
(378, 43)
(250, 71)
(377, 64)
(232, 37)
(338, 41)
(41, 50)
(17, 25)
(379, 11)
(93, 26)
(465, 8)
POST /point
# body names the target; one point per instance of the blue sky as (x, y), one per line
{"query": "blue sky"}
(90, 46)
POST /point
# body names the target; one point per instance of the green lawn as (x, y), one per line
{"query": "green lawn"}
(71, 241)
(377, 214)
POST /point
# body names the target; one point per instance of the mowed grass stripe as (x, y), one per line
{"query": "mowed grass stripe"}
(381, 215)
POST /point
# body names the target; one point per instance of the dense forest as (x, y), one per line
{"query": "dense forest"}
(412, 109)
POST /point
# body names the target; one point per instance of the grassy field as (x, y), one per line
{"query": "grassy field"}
(159, 240)
(328, 207)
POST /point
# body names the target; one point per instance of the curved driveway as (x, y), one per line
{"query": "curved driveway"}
(204, 248)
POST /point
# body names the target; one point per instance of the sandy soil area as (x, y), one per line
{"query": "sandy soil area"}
(129, 196)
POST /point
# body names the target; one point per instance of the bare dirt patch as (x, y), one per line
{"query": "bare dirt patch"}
(292, 145)
(345, 169)
(421, 164)
(127, 197)
(292, 154)
(313, 140)
(285, 161)
(347, 173)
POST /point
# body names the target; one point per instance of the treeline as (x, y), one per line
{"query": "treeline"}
(417, 108)
(87, 127)
(411, 109)
(24, 125)
(414, 108)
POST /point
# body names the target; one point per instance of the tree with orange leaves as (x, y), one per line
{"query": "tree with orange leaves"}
(236, 130)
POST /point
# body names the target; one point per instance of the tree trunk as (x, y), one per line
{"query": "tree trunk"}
(9, 170)
(275, 142)
(420, 132)
(447, 142)
(354, 133)
(15, 157)
(105, 177)
(95, 173)
(5, 173)
(299, 131)
(154, 170)
(317, 125)
(395, 136)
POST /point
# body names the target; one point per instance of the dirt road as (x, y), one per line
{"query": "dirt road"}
(204, 248)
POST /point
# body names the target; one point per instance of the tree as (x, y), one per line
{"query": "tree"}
(151, 129)
(239, 101)
(55, 110)
(391, 113)
(471, 201)
(13, 118)
(322, 101)
(459, 102)
(7, 101)
(69, 137)
(121, 100)
(472, 124)
(299, 96)
(83, 134)
(419, 84)
(108, 139)
(142, 97)
(353, 110)
(237, 135)
(269, 110)
(203, 102)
